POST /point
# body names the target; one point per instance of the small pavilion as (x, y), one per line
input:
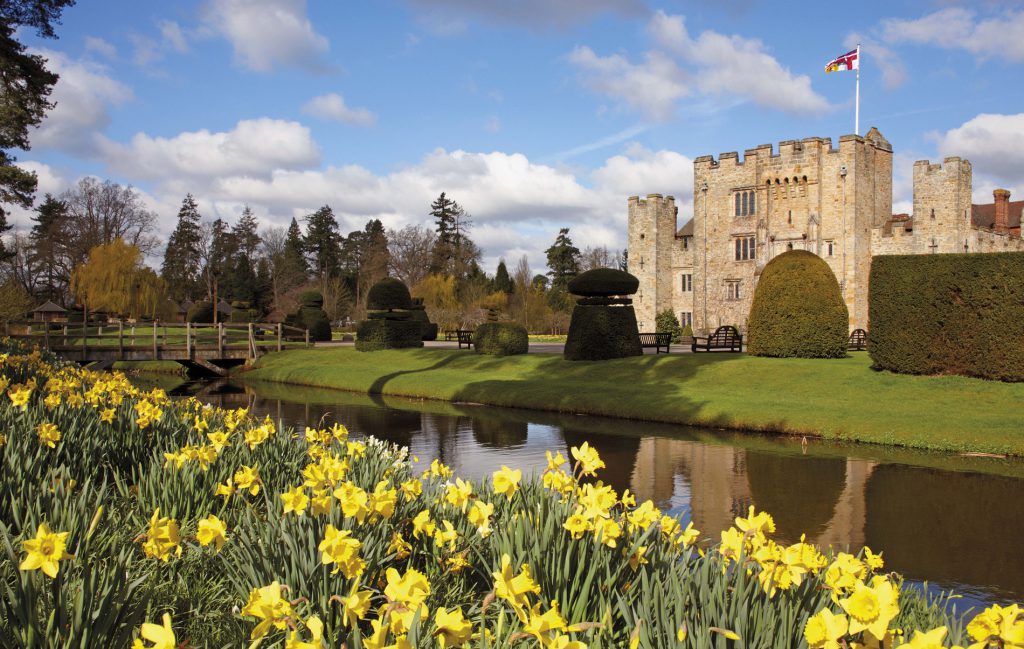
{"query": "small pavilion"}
(50, 312)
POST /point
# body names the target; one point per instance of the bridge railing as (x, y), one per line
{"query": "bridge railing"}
(208, 338)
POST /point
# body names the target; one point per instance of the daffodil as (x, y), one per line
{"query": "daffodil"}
(353, 501)
(506, 481)
(267, 605)
(45, 551)
(514, 588)
(587, 459)
(161, 635)
(162, 538)
(825, 630)
(451, 628)
(873, 607)
(247, 479)
(356, 605)
(212, 530)
(422, 525)
(316, 632)
(339, 548)
(295, 500)
(48, 434)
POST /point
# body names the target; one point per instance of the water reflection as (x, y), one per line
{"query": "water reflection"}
(934, 520)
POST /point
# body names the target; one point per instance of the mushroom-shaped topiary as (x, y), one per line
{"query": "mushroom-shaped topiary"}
(312, 299)
(388, 294)
(604, 282)
(798, 309)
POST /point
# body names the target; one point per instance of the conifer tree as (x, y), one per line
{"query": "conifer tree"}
(502, 281)
(45, 237)
(181, 267)
(294, 257)
(563, 260)
(246, 233)
(322, 242)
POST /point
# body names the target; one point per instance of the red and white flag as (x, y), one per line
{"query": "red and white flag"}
(848, 61)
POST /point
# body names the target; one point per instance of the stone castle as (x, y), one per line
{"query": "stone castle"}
(834, 202)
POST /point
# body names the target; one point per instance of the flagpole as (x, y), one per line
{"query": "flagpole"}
(856, 110)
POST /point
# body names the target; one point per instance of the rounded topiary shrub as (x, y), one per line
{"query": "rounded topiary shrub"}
(374, 335)
(311, 299)
(798, 309)
(200, 312)
(387, 294)
(242, 314)
(501, 339)
(604, 282)
(602, 332)
(317, 322)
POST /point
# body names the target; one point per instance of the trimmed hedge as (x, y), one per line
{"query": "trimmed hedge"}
(200, 312)
(317, 322)
(242, 314)
(604, 282)
(601, 332)
(389, 293)
(311, 299)
(374, 335)
(798, 310)
(501, 339)
(419, 312)
(948, 314)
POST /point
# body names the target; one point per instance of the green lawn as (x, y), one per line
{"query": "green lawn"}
(837, 399)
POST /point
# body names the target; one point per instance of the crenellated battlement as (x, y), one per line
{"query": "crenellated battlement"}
(797, 150)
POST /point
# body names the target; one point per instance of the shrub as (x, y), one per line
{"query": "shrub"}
(311, 299)
(418, 312)
(666, 322)
(601, 282)
(798, 309)
(687, 332)
(317, 322)
(374, 335)
(242, 314)
(200, 312)
(602, 332)
(501, 339)
(948, 314)
(387, 294)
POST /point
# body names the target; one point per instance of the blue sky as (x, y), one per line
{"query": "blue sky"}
(534, 114)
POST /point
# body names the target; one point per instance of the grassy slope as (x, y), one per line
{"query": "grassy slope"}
(842, 399)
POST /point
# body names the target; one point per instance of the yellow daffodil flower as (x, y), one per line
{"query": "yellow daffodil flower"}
(295, 500)
(48, 434)
(161, 635)
(45, 551)
(212, 530)
(506, 481)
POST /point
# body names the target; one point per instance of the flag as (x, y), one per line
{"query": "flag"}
(848, 61)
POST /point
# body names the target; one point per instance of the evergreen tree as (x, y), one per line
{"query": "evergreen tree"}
(322, 242)
(45, 237)
(294, 259)
(219, 263)
(502, 281)
(246, 232)
(563, 260)
(264, 293)
(181, 266)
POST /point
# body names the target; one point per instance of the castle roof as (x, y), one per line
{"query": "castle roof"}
(686, 230)
(984, 216)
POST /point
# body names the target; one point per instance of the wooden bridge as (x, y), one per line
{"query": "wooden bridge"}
(212, 347)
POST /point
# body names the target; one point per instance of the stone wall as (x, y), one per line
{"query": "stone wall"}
(652, 230)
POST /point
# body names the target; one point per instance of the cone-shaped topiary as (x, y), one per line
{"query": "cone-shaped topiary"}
(387, 294)
(798, 309)
(604, 282)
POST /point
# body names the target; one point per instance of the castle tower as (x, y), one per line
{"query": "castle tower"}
(652, 231)
(942, 206)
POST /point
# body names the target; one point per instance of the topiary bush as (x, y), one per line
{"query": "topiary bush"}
(798, 310)
(666, 322)
(317, 322)
(602, 332)
(388, 294)
(243, 314)
(604, 282)
(501, 339)
(200, 312)
(312, 299)
(948, 314)
(378, 334)
(418, 312)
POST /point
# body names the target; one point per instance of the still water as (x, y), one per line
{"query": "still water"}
(955, 522)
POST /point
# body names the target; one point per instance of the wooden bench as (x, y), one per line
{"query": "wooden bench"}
(858, 340)
(725, 338)
(658, 340)
(465, 337)
(451, 334)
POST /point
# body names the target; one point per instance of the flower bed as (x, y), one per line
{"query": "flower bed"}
(130, 519)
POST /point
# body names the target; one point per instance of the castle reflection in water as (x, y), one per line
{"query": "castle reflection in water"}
(956, 529)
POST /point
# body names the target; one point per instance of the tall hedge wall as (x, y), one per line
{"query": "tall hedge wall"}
(948, 314)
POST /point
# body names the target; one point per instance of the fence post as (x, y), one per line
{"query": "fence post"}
(188, 340)
(220, 339)
(64, 343)
(279, 332)
(252, 341)
(307, 337)
(156, 352)
(120, 338)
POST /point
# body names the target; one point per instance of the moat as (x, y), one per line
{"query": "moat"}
(954, 522)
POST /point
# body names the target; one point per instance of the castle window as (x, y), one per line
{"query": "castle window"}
(745, 198)
(686, 243)
(687, 284)
(745, 248)
(830, 248)
(732, 289)
(685, 319)
(738, 202)
(933, 212)
(752, 210)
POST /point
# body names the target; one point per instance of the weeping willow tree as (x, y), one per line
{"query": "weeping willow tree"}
(114, 280)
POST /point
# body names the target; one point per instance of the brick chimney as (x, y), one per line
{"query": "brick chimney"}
(1002, 221)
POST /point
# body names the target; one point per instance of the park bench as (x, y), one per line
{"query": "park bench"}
(658, 340)
(465, 337)
(451, 334)
(858, 340)
(725, 337)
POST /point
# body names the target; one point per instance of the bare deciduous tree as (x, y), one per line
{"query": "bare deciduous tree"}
(410, 250)
(100, 212)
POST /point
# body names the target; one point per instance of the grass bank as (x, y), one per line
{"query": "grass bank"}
(835, 399)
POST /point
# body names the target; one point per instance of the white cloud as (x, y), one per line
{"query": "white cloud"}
(894, 74)
(99, 46)
(641, 171)
(254, 147)
(172, 35)
(531, 13)
(957, 28)
(268, 33)
(733, 65)
(651, 87)
(83, 96)
(993, 143)
(49, 181)
(332, 107)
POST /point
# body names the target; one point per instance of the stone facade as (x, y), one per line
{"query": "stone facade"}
(835, 202)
